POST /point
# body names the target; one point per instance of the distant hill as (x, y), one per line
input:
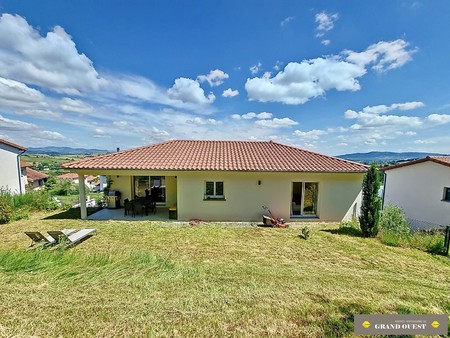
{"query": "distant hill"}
(65, 151)
(385, 156)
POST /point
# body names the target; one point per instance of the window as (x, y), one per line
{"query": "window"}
(154, 185)
(447, 194)
(304, 198)
(214, 190)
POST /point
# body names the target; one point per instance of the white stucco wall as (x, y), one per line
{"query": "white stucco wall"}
(10, 174)
(339, 195)
(244, 198)
(418, 189)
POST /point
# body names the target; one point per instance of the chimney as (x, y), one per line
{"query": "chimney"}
(118, 149)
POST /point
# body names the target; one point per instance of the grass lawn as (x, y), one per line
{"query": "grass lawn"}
(145, 278)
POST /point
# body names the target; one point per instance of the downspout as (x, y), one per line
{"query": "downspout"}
(384, 190)
(20, 171)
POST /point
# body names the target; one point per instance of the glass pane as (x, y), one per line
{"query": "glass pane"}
(158, 188)
(140, 184)
(447, 194)
(209, 189)
(310, 199)
(219, 188)
(296, 198)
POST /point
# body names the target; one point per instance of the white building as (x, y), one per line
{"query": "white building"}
(422, 189)
(11, 177)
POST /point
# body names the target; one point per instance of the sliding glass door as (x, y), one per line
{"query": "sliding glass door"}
(151, 185)
(304, 198)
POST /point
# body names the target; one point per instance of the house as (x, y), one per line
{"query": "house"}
(35, 179)
(70, 176)
(422, 189)
(11, 177)
(90, 181)
(231, 180)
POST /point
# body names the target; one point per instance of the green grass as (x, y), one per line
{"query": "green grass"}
(139, 279)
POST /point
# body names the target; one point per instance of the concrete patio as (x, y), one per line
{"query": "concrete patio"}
(162, 214)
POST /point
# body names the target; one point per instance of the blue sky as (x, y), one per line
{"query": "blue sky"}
(328, 76)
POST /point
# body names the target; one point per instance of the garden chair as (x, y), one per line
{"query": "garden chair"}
(58, 235)
(78, 237)
(38, 238)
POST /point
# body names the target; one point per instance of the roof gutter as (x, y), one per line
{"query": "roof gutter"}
(20, 171)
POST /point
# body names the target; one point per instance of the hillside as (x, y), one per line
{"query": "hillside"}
(65, 151)
(385, 156)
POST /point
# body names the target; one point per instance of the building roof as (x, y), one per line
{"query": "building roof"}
(12, 145)
(24, 164)
(219, 156)
(33, 175)
(444, 160)
(72, 176)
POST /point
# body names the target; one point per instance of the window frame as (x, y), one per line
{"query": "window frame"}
(214, 196)
(446, 195)
(302, 213)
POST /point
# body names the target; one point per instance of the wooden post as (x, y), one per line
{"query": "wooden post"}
(81, 190)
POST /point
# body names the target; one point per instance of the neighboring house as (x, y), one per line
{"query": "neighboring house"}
(90, 181)
(70, 176)
(35, 179)
(422, 189)
(232, 180)
(11, 177)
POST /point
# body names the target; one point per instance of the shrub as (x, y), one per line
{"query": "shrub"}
(305, 232)
(350, 228)
(371, 203)
(6, 211)
(430, 241)
(394, 239)
(394, 220)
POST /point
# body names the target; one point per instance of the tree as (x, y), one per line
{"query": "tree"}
(371, 203)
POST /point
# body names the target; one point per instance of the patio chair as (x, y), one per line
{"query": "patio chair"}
(78, 237)
(38, 238)
(138, 209)
(58, 235)
(128, 206)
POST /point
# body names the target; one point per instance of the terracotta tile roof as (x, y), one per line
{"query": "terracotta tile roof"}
(33, 175)
(444, 160)
(72, 176)
(12, 145)
(24, 164)
(219, 156)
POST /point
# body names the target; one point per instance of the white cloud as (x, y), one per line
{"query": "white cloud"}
(310, 135)
(256, 68)
(425, 141)
(31, 130)
(299, 82)
(383, 56)
(286, 21)
(188, 90)
(76, 106)
(439, 118)
(325, 22)
(276, 123)
(214, 78)
(15, 91)
(252, 115)
(51, 61)
(325, 42)
(230, 93)
(201, 121)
